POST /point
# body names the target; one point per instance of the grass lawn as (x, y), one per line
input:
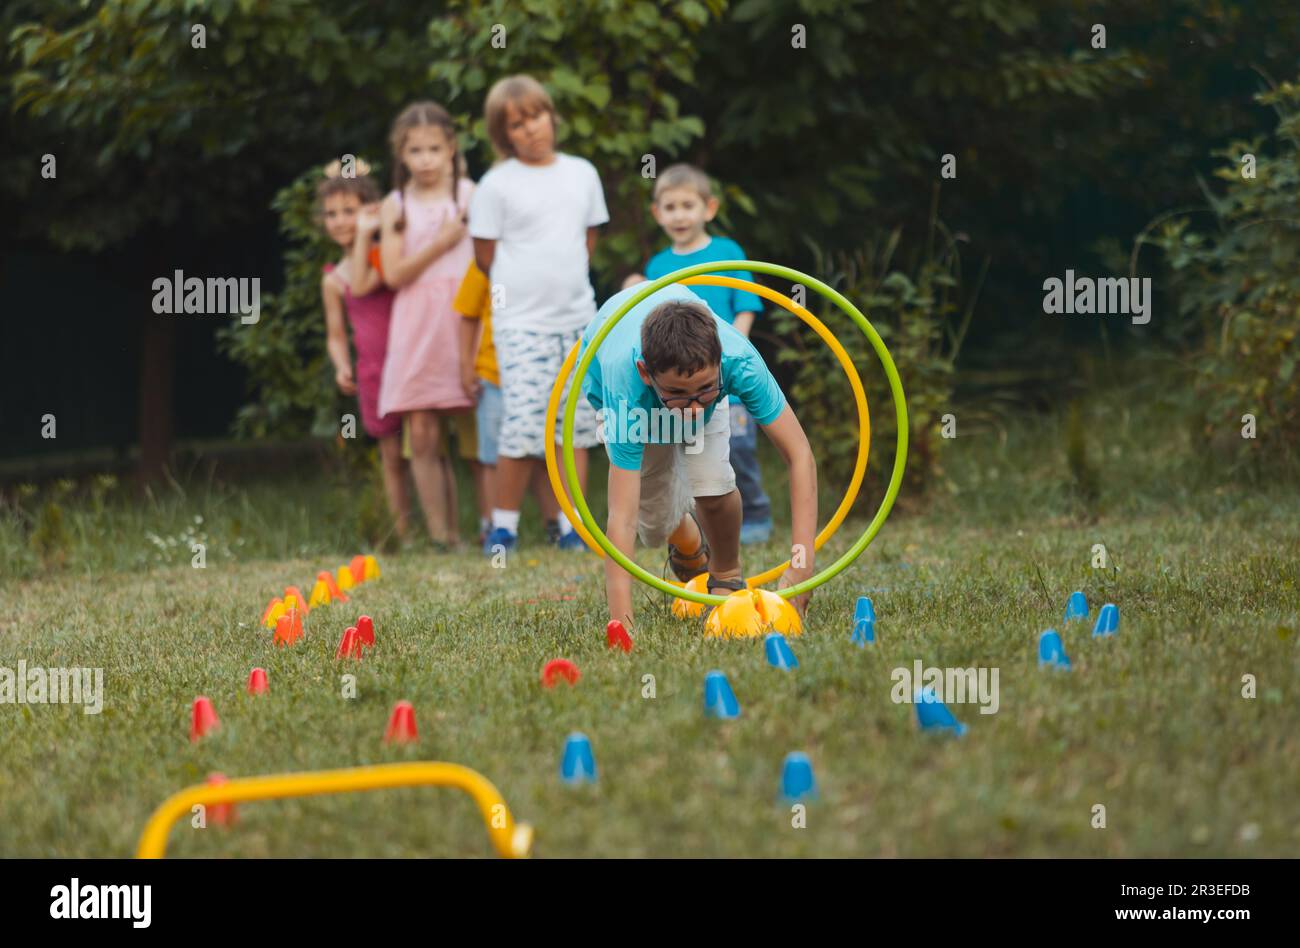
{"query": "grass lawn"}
(1150, 723)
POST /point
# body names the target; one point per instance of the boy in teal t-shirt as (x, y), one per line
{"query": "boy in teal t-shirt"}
(684, 204)
(658, 383)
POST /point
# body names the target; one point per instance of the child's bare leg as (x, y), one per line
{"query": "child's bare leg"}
(487, 491)
(394, 468)
(544, 494)
(452, 521)
(512, 479)
(580, 462)
(688, 539)
(720, 518)
(481, 474)
(429, 471)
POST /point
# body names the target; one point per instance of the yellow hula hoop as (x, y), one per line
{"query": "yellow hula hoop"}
(855, 382)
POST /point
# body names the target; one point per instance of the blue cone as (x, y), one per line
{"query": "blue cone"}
(864, 623)
(719, 700)
(933, 715)
(1076, 607)
(864, 633)
(1107, 620)
(779, 653)
(1051, 651)
(797, 780)
(578, 765)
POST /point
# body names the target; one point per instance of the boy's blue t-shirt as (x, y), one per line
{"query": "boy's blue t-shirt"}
(723, 300)
(613, 383)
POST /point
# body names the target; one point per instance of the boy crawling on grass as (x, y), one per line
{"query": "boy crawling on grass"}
(660, 383)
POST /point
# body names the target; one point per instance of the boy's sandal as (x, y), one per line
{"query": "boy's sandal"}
(735, 584)
(681, 570)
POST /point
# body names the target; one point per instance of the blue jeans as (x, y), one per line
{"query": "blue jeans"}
(744, 461)
(487, 415)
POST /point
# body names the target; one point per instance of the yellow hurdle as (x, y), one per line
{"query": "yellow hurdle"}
(510, 839)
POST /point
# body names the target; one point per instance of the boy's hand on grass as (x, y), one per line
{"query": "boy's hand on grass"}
(343, 379)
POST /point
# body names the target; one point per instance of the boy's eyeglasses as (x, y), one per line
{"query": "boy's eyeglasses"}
(706, 397)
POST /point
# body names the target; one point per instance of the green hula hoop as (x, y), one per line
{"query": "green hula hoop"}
(771, 269)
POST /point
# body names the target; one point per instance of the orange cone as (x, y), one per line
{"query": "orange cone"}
(257, 684)
(358, 567)
(401, 725)
(268, 615)
(366, 630)
(326, 577)
(289, 628)
(203, 719)
(297, 594)
(273, 616)
(221, 814)
(350, 646)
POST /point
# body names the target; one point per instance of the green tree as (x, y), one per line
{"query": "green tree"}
(1238, 287)
(173, 141)
(616, 72)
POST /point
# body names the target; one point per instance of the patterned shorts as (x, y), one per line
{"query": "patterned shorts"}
(529, 363)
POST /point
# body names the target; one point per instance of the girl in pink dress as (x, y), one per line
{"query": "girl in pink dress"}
(425, 250)
(352, 287)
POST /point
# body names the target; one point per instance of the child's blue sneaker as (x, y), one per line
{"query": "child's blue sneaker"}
(571, 541)
(499, 539)
(756, 531)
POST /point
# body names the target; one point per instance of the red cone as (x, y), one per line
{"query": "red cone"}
(350, 646)
(204, 718)
(616, 636)
(401, 725)
(559, 668)
(257, 681)
(221, 814)
(366, 629)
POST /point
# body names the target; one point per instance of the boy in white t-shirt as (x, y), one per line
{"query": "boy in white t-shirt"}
(533, 219)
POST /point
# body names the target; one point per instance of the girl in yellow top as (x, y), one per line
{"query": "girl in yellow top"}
(481, 379)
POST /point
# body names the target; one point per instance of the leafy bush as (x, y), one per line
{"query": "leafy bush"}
(920, 313)
(1239, 288)
(289, 371)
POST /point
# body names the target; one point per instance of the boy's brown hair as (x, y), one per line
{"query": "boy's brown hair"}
(527, 94)
(682, 175)
(680, 335)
